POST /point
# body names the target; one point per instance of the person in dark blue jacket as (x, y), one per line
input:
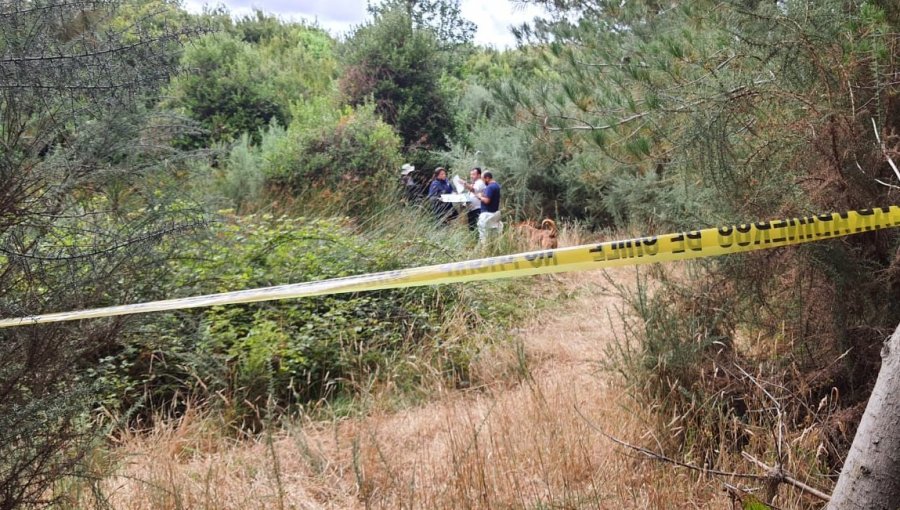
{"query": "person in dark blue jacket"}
(439, 186)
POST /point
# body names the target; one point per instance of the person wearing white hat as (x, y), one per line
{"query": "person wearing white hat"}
(410, 188)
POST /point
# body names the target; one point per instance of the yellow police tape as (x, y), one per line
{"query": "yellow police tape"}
(642, 250)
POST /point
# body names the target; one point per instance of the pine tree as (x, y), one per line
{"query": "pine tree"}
(685, 114)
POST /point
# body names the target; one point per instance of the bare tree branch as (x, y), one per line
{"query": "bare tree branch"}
(660, 457)
(780, 475)
(885, 151)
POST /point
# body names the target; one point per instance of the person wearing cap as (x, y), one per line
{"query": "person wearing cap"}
(473, 208)
(410, 188)
(490, 207)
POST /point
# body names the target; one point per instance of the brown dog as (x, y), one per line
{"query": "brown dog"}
(544, 237)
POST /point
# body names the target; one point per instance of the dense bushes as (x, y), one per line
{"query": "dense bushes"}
(398, 67)
(241, 79)
(77, 217)
(619, 113)
(330, 148)
(343, 160)
(248, 357)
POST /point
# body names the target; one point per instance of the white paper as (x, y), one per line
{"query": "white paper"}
(459, 184)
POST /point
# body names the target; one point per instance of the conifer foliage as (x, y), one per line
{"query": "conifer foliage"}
(76, 139)
(687, 114)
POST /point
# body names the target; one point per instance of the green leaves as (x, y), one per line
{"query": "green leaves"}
(399, 67)
(752, 503)
(442, 17)
(242, 79)
(290, 351)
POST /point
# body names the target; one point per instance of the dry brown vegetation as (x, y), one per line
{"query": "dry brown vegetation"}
(517, 440)
(526, 433)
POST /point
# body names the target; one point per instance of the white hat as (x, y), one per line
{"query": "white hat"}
(407, 169)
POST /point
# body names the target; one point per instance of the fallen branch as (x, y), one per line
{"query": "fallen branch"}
(772, 474)
(663, 458)
(779, 475)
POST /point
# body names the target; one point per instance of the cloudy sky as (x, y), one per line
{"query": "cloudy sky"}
(493, 17)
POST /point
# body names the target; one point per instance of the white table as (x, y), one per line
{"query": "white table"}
(456, 198)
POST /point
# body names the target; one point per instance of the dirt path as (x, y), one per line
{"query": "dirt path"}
(511, 444)
(526, 441)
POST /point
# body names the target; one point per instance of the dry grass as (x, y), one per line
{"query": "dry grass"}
(524, 436)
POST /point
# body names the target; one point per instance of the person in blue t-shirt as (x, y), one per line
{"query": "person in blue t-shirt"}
(439, 186)
(489, 219)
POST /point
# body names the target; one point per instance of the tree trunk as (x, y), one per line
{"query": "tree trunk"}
(871, 475)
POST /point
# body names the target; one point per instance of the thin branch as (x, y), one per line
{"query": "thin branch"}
(884, 150)
(60, 86)
(779, 420)
(778, 475)
(85, 55)
(661, 457)
(106, 250)
(613, 64)
(74, 5)
(589, 127)
(879, 181)
(781, 476)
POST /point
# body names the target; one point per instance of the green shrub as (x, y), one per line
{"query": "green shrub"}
(290, 351)
(713, 113)
(400, 67)
(242, 79)
(344, 157)
(242, 178)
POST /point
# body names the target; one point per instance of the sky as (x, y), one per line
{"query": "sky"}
(493, 17)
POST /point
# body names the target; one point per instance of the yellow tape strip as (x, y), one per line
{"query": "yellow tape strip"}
(694, 244)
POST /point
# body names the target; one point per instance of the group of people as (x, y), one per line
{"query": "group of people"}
(482, 209)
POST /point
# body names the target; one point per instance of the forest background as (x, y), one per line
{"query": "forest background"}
(149, 153)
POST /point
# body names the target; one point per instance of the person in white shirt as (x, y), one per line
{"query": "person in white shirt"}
(473, 208)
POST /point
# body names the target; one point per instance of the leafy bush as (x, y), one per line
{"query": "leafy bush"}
(242, 79)
(242, 178)
(344, 157)
(399, 67)
(291, 351)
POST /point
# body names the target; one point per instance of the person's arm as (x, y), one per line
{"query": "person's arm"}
(485, 195)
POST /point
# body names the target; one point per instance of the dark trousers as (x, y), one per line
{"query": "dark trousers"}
(444, 212)
(473, 219)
